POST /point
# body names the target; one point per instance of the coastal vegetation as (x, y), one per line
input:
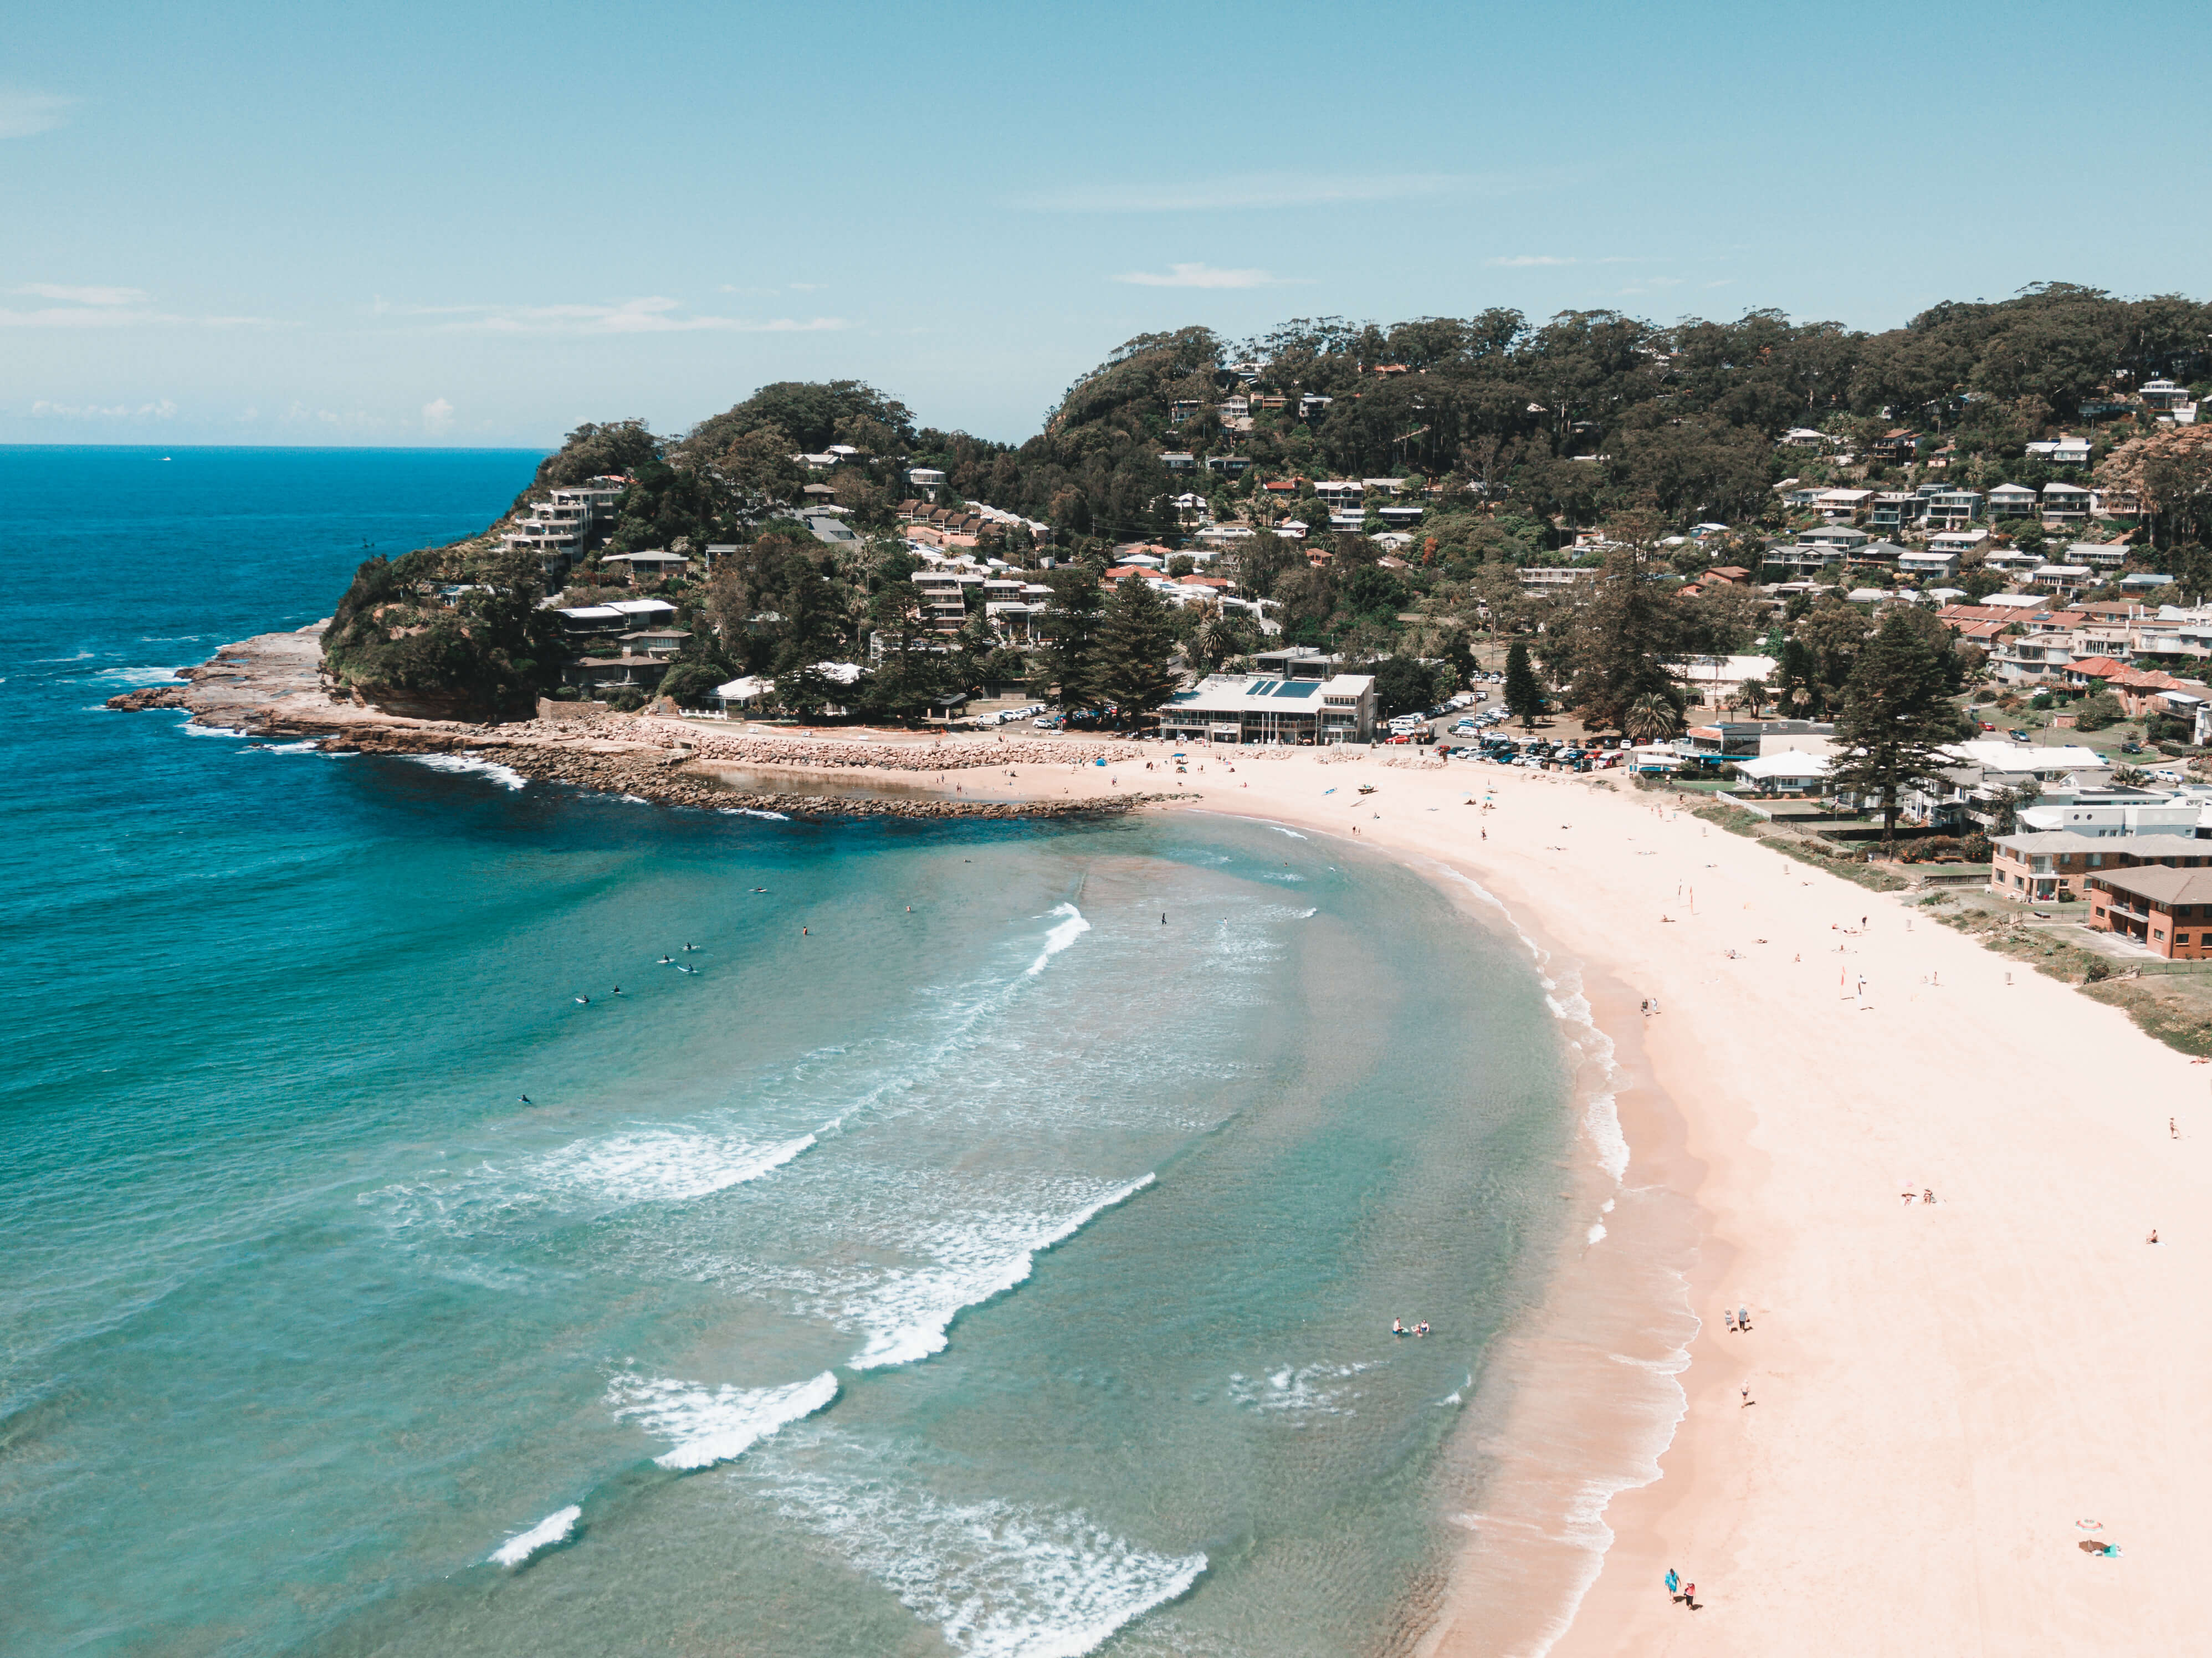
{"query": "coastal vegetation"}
(1378, 492)
(454, 630)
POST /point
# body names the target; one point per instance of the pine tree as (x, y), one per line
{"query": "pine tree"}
(1624, 641)
(909, 673)
(1133, 671)
(1072, 623)
(1896, 718)
(1524, 699)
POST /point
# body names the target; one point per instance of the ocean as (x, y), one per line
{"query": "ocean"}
(975, 1238)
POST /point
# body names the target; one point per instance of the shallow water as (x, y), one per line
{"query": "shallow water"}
(991, 1268)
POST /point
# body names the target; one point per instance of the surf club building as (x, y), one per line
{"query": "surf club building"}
(1268, 708)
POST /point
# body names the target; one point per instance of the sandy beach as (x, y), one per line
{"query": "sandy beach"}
(1939, 1395)
(1938, 1409)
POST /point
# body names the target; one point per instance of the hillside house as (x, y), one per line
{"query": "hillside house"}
(2065, 503)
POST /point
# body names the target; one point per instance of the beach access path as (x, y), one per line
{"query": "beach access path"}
(1941, 1394)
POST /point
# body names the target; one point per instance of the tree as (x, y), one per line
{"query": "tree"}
(1623, 640)
(1524, 698)
(1072, 619)
(1138, 638)
(1651, 717)
(1752, 695)
(909, 674)
(1260, 560)
(2099, 709)
(1895, 720)
(1403, 685)
(690, 683)
(1215, 640)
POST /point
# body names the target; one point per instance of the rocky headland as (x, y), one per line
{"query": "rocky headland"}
(272, 686)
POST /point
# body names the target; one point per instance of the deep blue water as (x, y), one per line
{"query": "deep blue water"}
(988, 1269)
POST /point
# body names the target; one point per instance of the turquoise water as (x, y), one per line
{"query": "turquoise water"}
(991, 1268)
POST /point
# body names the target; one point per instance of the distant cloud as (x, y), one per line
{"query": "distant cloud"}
(162, 410)
(24, 113)
(654, 314)
(1201, 276)
(1523, 261)
(349, 420)
(437, 417)
(86, 296)
(1256, 190)
(107, 307)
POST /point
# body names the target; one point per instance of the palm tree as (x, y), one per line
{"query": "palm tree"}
(1649, 718)
(1752, 695)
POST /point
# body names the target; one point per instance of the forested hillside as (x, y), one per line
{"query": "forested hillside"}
(1482, 443)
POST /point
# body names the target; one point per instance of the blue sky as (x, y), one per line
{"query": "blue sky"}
(467, 224)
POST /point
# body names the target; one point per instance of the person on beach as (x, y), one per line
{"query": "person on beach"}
(1746, 1395)
(1728, 1318)
(2152, 1238)
(1674, 1581)
(2172, 1130)
(1689, 1596)
(1743, 1318)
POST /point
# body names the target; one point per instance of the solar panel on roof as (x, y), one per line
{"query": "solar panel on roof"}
(1261, 688)
(1297, 688)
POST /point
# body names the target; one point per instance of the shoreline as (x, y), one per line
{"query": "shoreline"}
(271, 686)
(1938, 1393)
(1551, 1436)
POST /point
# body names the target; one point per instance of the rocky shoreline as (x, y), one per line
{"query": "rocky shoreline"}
(271, 686)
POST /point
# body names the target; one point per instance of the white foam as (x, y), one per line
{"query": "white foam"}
(910, 1311)
(667, 1165)
(148, 674)
(554, 1527)
(311, 745)
(192, 727)
(998, 1580)
(752, 812)
(506, 776)
(714, 1424)
(634, 799)
(1292, 833)
(610, 1171)
(1299, 1394)
(1072, 927)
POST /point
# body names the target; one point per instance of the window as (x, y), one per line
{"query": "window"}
(2181, 938)
(2158, 932)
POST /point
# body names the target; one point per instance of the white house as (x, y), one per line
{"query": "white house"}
(1785, 774)
(1934, 564)
(1952, 509)
(2065, 503)
(2062, 451)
